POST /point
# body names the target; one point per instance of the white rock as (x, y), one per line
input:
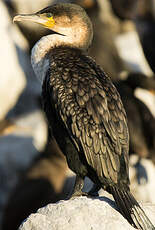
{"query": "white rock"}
(12, 78)
(142, 179)
(130, 50)
(28, 6)
(81, 213)
(18, 150)
(19, 99)
(147, 97)
(33, 124)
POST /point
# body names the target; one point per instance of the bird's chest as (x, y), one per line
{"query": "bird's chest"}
(63, 95)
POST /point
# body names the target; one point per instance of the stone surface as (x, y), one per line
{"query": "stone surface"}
(148, 98)
(18, 149)
(130, 50)
(142, 181)
(81, 213)
(12, 78)
(26, 135)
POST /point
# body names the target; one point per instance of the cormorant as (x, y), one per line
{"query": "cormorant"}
(103, 48)
(141, 122)
(125, 9)
(83, 107)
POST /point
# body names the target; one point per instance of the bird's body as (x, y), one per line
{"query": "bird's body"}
(87, 116)
(83, 108)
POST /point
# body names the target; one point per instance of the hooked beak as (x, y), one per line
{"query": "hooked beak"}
(27, 17)
(36, 18)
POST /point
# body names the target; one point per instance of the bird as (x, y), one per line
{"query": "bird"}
(103, 49)
(141, 122)
(83, 107)
(126, 10)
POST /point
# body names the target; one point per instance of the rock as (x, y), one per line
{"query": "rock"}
(81, 213)
(43, 175)
(130, 50)
(26, 134)
(18, 149)
(24, 131)
(47, 174)
(142, 183)
(12, 78)
(148, 98)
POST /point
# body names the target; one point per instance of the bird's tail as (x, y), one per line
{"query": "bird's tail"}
(131, 210)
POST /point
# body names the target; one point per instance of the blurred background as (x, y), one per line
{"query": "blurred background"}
(33, 170)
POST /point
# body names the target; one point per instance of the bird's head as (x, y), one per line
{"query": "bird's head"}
(66, 19)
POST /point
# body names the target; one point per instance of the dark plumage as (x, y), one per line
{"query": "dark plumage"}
(103, 48)
(125, 9)
(146, 30)
(84, 114)
(141, 122)
(83, 108)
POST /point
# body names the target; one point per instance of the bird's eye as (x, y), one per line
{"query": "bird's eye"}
(49, 15)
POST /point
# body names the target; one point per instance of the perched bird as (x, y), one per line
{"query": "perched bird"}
(83, 108)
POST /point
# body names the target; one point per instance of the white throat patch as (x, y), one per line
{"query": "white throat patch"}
(39, 62)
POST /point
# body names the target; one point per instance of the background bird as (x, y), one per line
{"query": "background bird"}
(141, 122)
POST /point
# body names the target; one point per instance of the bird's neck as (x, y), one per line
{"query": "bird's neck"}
(39, 57)
(77, 37)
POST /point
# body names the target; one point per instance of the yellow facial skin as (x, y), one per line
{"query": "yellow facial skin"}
(49, 22)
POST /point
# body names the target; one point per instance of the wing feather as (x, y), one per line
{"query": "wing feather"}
(96, 120)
